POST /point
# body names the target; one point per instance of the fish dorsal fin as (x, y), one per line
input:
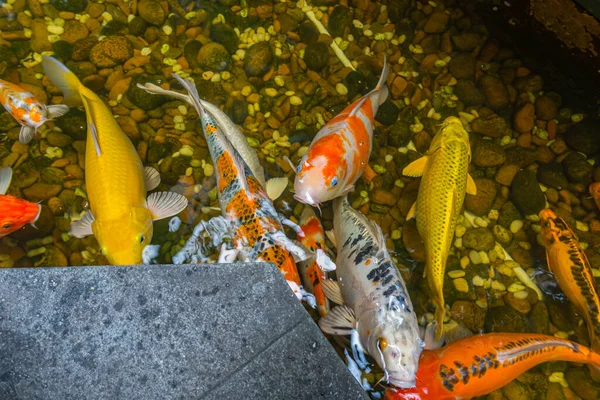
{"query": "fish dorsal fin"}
(57, 110)
(5, 178)
(151, 178)
(339, 321)
(83, 227)
(166, 204)
(88, 103)
(416, 168)
(471, 186)
(331, 289)
(26, 134)
(276, 186)
(62, 77)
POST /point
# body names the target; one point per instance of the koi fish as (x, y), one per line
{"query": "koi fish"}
(257, 231)
(480, 364)
(595, 192)
(121, 217)
(376, 305)
(312, 237)
(339, 153)
(15, 213)
(572, 270)
(445, 179)
(274, 186)
(27, 109)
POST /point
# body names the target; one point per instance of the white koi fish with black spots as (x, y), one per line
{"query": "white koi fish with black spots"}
(375, 301)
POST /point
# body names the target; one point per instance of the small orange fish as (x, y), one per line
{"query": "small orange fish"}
(339, 153)
(595, 192)
(27, 109)
(312, 237)
(572, 270)
(481, 364)
(15, 213)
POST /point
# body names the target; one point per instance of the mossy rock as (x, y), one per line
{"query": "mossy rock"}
(225, 35)
(505, 319)
(258, 59)
(115, 28)
(137, 26)
(7, 55)
(73, 124)
(340, 19)
(214, 56)
(388, 113)
(140, 97)
(75, 6)
(7, 122)
(62, 50)
(21, 48)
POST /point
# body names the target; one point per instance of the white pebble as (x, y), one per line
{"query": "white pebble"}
(456, 274)
(295, 101)
(208, 170)
(341, 89)
(474, 257)
(516, 226)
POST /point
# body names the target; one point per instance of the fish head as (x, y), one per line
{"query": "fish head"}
(318, 179)
(552, 226)
(396, 348)
(16, 213)
(37, 114)
(451, 130)
(122, 241)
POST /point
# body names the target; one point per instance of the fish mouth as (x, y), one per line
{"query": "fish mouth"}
(306, 199)
(402, 383)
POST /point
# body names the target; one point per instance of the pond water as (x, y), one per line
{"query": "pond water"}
(269, 68)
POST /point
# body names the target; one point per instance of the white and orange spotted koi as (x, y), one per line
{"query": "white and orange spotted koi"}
(249, 215)
(27, 109)
(572, 270)
(339, 153)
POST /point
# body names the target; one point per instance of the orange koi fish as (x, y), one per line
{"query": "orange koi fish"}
(572, 270)
(595, 192)
(27, 110)
(15, 213)
(481, 364)
(339, 153)
(312, 237)
(249, 216)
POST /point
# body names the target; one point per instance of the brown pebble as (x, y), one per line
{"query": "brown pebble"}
(524, 118)
(506, 174)
(524, 140)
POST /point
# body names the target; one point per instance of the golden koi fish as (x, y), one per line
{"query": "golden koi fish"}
(572, 270)
(445, 179)
(121, 217)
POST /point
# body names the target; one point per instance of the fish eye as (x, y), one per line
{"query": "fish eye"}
(382, 343)
(6, 226)
(334, 181)
(547, 224)
(142, 239)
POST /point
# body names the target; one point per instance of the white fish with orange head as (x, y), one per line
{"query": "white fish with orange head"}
(339, 153)
(376, 302)
(27, 109)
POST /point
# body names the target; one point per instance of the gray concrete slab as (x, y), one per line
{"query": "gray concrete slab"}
(162, 332)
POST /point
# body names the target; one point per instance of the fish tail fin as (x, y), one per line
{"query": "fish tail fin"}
(440, 313)
(381, 84)
(5, 179)
(190, 87)
(594, 366)
(66, 80)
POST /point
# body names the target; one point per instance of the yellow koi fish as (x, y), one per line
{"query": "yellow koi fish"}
(572, 270)
(445, 179)
(117, 182)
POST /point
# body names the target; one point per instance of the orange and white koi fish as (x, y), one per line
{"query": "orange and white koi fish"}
(339, 153)
(15, 213)
(480, 364)
(27, 109)
(312, 237)
(249, 215)
(572, 270)
(595, 192)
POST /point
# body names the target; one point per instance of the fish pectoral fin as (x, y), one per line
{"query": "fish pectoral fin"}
(330, 234)
(412, 212)
(471, 186)
(275, 187)
(331, 289)
(65, 79)
(5, 178)
(429, 340)
(324, 262)
(151, 178)
(339, 321)
(91, 123)
(57, 110)
(416, 168)
(348, 189)
(26, 134)
(83, 227)
(166, 204)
